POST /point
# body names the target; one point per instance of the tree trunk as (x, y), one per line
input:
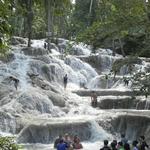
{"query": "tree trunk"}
(121, 46)
(114, 49)
(29, 20)
(90, 9)
(49, 23)
(21, 26)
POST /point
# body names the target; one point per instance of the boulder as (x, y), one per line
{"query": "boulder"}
(8, 58)
(34, 51)
(57, 99)
(17, 40)
(35, 101)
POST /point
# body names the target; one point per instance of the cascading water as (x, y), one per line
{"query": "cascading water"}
(42, 108)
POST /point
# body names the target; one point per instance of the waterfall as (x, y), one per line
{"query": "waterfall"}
(42, 108)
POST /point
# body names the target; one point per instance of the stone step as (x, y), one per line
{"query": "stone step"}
(106, 92)
(45, 131)
(123, 102)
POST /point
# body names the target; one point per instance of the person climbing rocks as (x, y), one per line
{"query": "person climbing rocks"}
(15, 80)
(106, 147)
(142, 143)
(93, 99)
(65, 81)
(45, 45)
(77, 144)
(62, 145)
(57, 141)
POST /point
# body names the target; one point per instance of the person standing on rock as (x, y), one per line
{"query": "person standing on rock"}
(93, 99)
(65, 81)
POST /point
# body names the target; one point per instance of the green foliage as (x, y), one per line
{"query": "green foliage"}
(39, 24)
(7, 143)
(4, 25)
(68, 48)
(114, 19)
(81, 18)
(141, 82)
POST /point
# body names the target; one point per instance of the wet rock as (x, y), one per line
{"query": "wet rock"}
(17, 40)
(7, 122)
(54, 46)
(57, 99)
(32, 51)
(6, 94)
(46, 133)
(62, 47)
(35, 102)
(120, 102)
(8, 58)
(105, 82)
(44, 58)
(50, 72)
(105, 92)
(133, 125)
(79, 50)
(102, 62)
(117, 103)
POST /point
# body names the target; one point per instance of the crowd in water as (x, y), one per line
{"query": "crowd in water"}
(67, 143)
(123, 144)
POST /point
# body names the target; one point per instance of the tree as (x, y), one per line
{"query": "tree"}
(4, 25)
(54, 8)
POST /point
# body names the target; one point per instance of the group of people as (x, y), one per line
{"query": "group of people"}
(124, 145)
(67, 142)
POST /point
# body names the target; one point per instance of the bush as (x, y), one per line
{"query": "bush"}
(7, 143)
